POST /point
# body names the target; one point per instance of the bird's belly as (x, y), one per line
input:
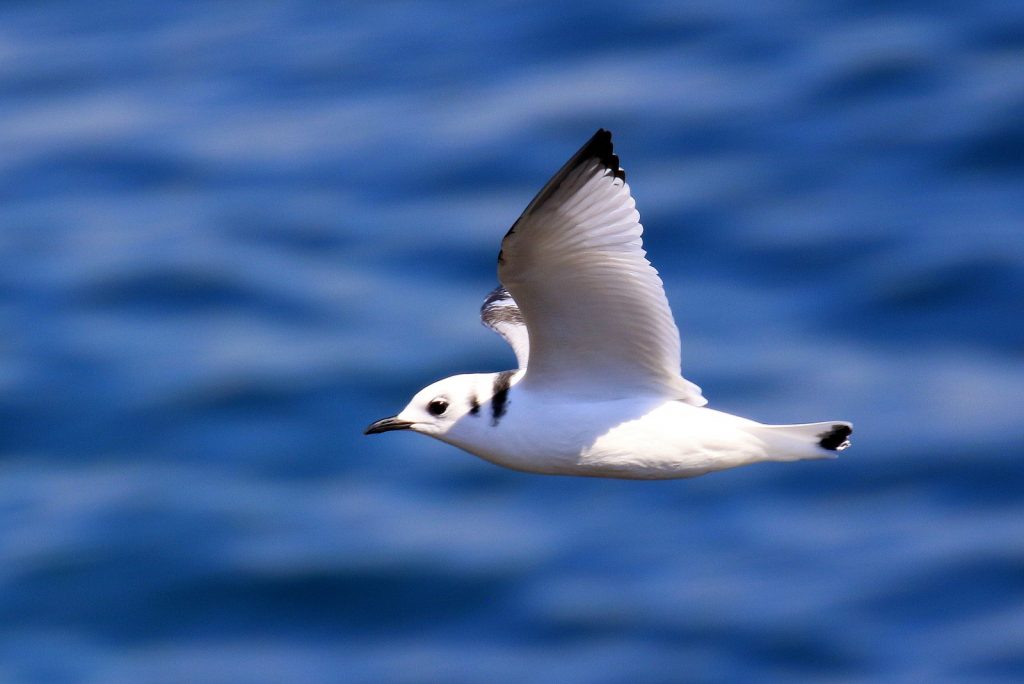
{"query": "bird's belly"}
(670, 443)
(657, 440)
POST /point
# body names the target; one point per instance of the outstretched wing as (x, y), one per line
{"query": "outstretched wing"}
(598, 319)
(501, 314)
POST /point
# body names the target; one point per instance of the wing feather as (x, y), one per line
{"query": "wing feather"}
(599, 323)
(501, 314)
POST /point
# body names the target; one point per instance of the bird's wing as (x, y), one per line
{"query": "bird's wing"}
(599, 323)
(501, 314)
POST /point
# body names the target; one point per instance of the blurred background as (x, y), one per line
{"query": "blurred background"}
(232, 235)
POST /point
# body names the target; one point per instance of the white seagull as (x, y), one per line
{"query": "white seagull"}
(598, 391)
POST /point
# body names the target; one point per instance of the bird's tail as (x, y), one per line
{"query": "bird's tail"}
(806, 440)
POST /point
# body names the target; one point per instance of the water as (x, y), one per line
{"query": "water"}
(231, 236)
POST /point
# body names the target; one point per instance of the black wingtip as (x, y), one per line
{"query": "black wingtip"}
(836, 439)
(600, 146)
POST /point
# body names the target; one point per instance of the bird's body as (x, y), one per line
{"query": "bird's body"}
(646, 438)
(598, 392)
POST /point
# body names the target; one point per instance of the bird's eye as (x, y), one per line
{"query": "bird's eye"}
(437, 407)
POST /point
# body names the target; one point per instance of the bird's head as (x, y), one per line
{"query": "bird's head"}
(437, 408)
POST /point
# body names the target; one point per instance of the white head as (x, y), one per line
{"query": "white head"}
(438, 409)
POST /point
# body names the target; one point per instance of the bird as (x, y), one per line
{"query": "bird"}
(599, 390)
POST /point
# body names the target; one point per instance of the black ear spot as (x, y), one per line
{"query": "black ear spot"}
(499, 402)
(437, 407)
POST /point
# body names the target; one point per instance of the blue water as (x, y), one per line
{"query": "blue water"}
(233, 234)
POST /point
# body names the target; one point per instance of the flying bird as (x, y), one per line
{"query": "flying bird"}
(599, 390)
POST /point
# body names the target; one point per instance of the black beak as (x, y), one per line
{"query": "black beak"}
(386, 425)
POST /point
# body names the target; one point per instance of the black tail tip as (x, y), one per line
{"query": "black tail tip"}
(836, 439)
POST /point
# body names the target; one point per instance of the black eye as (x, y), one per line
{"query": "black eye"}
(437, 407)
